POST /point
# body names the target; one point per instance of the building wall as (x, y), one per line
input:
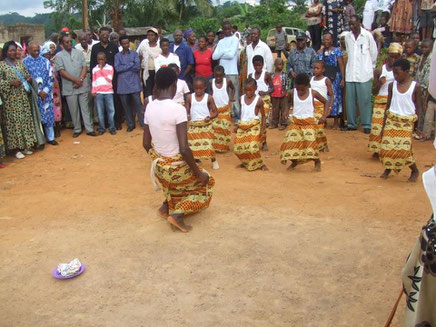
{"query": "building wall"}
(22, 33)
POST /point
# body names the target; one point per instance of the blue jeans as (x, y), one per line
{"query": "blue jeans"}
(132, 104)
(105, 103)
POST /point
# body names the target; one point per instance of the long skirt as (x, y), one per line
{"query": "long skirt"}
(396, 145)
(321, 136)
(182, 189)
(221, 127)
(300, 141)
(378, 116)
(2, 145)
(419, 280)
(267, 106)
(200, 139)
(247, 144)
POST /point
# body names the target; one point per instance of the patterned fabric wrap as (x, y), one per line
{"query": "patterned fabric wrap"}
(300, 141)
(200, 139)
(378, 116)
(321, 136)
(419, 279)
(396, 145)
(182, 189)
(247, 144)
(267, 106)
(221, 127)
(2, 145)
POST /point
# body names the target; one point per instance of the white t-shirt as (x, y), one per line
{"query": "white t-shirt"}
(162, 61)
(182, 89)
(162, 117)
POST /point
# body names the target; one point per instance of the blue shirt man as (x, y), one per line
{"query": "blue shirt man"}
(185, 55)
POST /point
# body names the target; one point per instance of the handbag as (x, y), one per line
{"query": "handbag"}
(26, 84)
(330, 71)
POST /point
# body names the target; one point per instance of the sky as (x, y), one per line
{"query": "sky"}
(24, 7)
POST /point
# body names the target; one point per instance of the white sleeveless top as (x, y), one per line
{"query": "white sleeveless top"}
(319, 86)
(248, 112)
(261, 85)
(199, 109)
(402, 103)
(389, 79)
(220, 96)
(303, 108)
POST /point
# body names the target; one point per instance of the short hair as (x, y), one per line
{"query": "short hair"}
(202, 37)
(410, 41)
(278, 60)
(104, 28)
(173, 65)
(250, 81)
(62, 36)
(210, 31)
(302, 79)
(6, 47)
(403, 63)
(413, 33)
(33, 42)
(219, 69)
(427, 41)
(81, 34)
(200, 79)
(258, 58)
(123, 37)
(235, 27)
(321, 62)
(101, 54)
(163, 40)
(226, 23)
(165, 77)
(256, 28)
(356, 17)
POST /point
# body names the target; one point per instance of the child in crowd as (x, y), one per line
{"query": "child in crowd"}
(422, 78)
(250, 128)
(166, 57)
(279, 97)
(182, 86)
(264, 88)
(383, 76)
(415, 37)
(220, 88)
(348, 12)
(300, 143)
(411, 56)
(404, 103)
(201, 110)
(323, 86)
(103, 92)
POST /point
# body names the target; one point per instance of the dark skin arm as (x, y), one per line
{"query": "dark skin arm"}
(342, 69)
(187, 70)
(269, 82)
(212, 108)
(78, 82)
(388, 105)
(259, 108)
(331, 94)
(321, 99)
(417, 93)
(378, 82)
(232, 90)
(188, 105)
(185, 151)
(210, 87)
(290, 103)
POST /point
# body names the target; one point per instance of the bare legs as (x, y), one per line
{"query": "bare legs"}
(413, 175)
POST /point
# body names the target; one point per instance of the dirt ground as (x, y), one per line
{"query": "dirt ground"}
(275, 248)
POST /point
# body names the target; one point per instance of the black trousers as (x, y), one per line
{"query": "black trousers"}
(149, 85)
(315, 34)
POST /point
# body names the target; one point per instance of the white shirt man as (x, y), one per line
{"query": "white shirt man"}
(262, 49)
(163, 61)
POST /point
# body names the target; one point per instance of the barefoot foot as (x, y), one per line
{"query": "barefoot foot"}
(317, 165)
(293, 165)
(413, 176)
(385, 174)
(264, 168)
(177, 221)
(163, 211)
(375, 155)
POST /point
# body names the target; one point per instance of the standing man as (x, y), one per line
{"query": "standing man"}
(362, 57)
(40, 70)
(281, 41)
(71, 65)
(185, 56)
(226, 51)
(127, 65)
(302, 58)
(258, 47)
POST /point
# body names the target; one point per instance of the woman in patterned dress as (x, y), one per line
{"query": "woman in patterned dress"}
(18, 124)
(333, 57)
(334, 18)
(2, 145)
(402, 17)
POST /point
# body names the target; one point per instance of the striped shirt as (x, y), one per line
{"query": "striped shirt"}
(102, 79)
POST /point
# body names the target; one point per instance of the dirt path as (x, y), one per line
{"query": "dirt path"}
(274, 249)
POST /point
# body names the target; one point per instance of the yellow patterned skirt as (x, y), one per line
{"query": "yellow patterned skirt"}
(200, 139)
(378, 116)
(300, 141)
(396, 145)
(267, 106)
(321, 136)
(247, 144)
(221, 127)
(182, 189)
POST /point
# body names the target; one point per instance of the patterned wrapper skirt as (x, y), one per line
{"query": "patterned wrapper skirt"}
(419, 280)
(182, 189)
(200, 139)
(396, 145)
(300, 141)
(2, 145)
(267, 106)
(378, 116)
(321, 136)
(221, 127)
(247, 144)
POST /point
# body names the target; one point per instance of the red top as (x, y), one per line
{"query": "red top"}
(277, 82)
(203, 63)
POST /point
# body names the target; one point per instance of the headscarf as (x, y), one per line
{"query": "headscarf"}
(395, 47)
(187, 33)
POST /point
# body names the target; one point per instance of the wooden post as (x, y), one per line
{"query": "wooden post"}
(85, 24)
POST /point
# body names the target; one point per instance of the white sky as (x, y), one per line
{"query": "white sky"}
(23, 7)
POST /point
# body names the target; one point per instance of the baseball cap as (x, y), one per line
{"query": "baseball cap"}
(154, 30)
(301, 36)
(65, 29)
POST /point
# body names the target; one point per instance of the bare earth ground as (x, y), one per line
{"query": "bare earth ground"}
(275, 248)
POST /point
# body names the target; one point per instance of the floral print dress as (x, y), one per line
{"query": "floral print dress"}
(17, 119)
(334, 20)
